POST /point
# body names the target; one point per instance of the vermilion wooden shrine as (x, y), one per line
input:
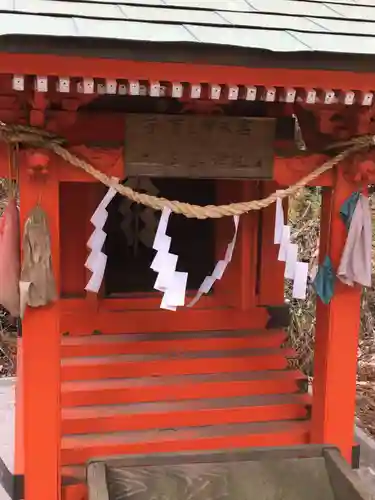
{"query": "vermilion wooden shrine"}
(111, 373)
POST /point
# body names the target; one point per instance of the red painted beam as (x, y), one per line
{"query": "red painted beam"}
(43, 64)
(287, 171)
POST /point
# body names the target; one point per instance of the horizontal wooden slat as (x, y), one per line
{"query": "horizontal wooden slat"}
(101, 345)
(96, 368)
(117, 418)
(176, 406)
(117, 391)
(78, 449)
(171, 392)
(141, 358)
(127, 320)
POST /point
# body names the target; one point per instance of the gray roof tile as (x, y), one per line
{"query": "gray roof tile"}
(346, 26)
(349, 2)
(18, 24)
(237, 5)
(356, 12)
(258, 20)
(275, 25)
(128, 30)
(338, 43)
(361, 2)
(7, 4)
(295, 8)
(173, 15)
(60, 7)
(158, 3)
(255, 38)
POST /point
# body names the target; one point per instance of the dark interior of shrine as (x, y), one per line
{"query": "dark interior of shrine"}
(130, 237)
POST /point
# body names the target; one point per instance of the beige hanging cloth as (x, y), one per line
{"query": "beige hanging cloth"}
(37, 283)
(355, 265)
(10, 259)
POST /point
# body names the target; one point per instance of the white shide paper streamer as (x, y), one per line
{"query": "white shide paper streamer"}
(300, 280)
(219, 268)
(171, 282)
(291, 260)
(97, 260)
(279, 222)
(285, 242)
(288, 253)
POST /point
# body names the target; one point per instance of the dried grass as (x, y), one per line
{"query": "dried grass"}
(8, 348)
(8, 337)
(304, 217)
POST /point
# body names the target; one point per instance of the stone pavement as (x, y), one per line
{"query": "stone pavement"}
(7, 398)
(367, 465)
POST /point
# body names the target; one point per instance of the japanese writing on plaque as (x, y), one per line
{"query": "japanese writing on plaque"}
(199, 146)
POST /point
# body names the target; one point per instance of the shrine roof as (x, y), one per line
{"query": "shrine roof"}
(332, 26)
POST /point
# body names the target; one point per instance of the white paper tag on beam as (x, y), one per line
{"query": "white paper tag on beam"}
(300, 280)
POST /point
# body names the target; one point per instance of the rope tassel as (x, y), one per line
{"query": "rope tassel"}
(37, 284)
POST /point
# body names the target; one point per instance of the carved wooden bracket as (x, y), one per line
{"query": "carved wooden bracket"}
(360, 169)
(37, 162)
(321, 126)
(39, 104)
(67, 116)
(287, 171)
(108, 161)
(365, 118)
(202, 107)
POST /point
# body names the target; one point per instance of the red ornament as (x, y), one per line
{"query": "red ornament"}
(38, 162)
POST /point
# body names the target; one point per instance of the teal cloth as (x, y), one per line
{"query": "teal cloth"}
(348, 207)
(324, 282)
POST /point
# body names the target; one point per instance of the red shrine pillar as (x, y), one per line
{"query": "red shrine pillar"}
(40, 376)
(337, 329)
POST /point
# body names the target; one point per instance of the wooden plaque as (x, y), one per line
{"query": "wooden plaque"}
(194, 146)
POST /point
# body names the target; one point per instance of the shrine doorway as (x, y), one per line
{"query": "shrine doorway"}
(131, 228)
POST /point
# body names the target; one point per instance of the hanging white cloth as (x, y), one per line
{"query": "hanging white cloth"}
(355, 265)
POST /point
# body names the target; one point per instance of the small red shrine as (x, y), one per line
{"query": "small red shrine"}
(197, 102)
